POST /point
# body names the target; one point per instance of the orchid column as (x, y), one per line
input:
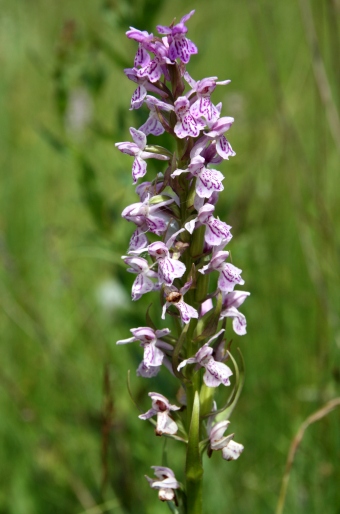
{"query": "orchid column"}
(176, 245)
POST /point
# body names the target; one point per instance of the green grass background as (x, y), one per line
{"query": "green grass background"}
(71, 441)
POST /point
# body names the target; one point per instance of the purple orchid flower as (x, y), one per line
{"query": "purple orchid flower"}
(168, 268)
(153, 124)
(219, 147)
(138, 241)
(165, 483)
(142, 58)
(153, 345)
(148, 189)
(216, 232)
(208, 180)
(173, 296)
(140, 93)
(148, 217)
(216, 373)
(203, 106)
(154, 68)
(161, 408)
(230, 275)
(206, 306)
(230, 303)
(230, 449)
(137, 150)
(143, 283)
(141, 36)
(179, 46)
(143, 87)
(186, 125)
(216, 133)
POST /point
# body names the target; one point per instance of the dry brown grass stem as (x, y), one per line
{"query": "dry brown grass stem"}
(316, 416)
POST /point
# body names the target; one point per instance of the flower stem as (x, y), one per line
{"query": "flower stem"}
(193, 466)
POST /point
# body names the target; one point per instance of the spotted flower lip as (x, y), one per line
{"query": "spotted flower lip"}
(230, 303)
(168, 268)
(143, 86)
(230, 275)
(216, 133)
(153, 345)
(216, 232)
(153, 124)
(203, 106)
(138, 241)
(186, 125)
(216, 373)
(166, 482)
(153, 69)
(208, 180)
(148, 217)
(161, 408)
(179, 46)
(137, 150)
(140, 93)
(143, 283)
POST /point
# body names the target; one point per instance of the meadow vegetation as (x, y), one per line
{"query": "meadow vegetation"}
(71, 441)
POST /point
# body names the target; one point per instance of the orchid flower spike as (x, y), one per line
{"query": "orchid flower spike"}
(176, 242)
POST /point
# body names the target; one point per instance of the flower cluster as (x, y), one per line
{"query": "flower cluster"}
(178, 242)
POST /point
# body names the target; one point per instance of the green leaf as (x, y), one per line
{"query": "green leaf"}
(206, 399)
(191, 196)
(130, 392)
(158, 199)
(239, 372)
(172, 507)
(175, 210)
(194, 469)
(158, 150)
(197, 242)
(193, 466)
(149, 321)
(176, 352)
(207, 326)
(165, 454)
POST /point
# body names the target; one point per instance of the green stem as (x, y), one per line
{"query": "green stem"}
(193, 465)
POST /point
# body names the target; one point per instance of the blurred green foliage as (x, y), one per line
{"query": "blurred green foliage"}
(71, 441)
